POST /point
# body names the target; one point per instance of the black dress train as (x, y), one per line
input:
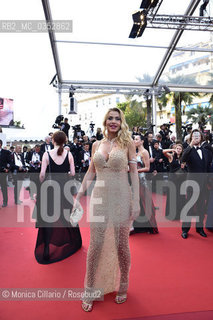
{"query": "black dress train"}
(59, 239)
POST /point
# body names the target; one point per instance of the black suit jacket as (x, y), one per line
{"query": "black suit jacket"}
(75, 149)
(30, 154)
(81, 156)
(12, 162)
(26, 156)
(4, 159)
(193, 161)
(146, 146)
(43, 147)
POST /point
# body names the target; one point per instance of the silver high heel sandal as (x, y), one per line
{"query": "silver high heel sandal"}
(121, 296)
(87, 305)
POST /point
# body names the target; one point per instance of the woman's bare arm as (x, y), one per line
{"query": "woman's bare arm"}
(167, 153)
(44, 164)
(71, 162)
(145, 156)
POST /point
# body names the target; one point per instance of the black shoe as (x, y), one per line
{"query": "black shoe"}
(184, 235)
(4, 205)
(132, 232)
(18, 202)
(202, 233)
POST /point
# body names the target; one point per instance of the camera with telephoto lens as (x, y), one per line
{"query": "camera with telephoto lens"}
(58, 122)
(36, 165)
(86, 163)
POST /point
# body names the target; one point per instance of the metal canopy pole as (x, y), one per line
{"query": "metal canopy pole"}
(48, 17)
(154, 112)
(117, 87)
(194, 49)
(190, 10)
(59, 98)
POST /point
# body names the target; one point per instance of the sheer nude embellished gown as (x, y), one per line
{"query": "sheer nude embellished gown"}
(108, 258)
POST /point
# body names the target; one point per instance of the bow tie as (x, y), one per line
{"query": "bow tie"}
(198, 148)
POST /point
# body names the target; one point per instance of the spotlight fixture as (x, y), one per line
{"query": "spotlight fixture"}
(162, 90)
(139, 16)
(147, 4)
(166, 89)
(140, 23)
(73, 102)
(203, 7)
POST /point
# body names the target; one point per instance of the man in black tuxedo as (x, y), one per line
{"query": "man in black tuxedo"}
(47, 146)
(4, 169)
(34, 160)
(65, 127)
(85, 157)
(198, 161)
(148, 145)
(18, 169)
(25, 154)
(75, 149)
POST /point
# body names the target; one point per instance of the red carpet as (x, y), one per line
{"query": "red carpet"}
(169, 276)
(204, 315)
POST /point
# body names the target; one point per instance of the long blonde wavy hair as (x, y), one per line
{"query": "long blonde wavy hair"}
(124, 136)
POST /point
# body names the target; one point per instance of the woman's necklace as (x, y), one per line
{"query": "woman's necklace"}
(111, 143)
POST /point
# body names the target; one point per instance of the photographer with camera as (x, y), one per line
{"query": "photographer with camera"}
(99, 134)
(47, 146)
(85, 157)
(165, 131)
(186, 130)
(78, 133)
(4, 169)
(135, 132)
(18, 169)
(65, 127)
(25, 154)
(34, 160)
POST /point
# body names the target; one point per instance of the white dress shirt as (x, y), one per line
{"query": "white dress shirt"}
(199, 151)
(150, 151)
(86, 156)
(18, 161)
(35, 157)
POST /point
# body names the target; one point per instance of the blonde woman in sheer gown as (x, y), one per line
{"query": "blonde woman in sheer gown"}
(108, 257)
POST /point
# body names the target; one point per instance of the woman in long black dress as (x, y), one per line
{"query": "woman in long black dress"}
(59, 239)
(146, 222)
(176, 176)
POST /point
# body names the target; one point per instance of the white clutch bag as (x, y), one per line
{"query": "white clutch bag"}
(76, 216)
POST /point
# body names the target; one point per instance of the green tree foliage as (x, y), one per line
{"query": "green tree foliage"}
(134, 113)
(147, 79)
(176, 99)
(201, 115)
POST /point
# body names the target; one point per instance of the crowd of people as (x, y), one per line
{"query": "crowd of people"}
(182, 161)
(115, 156)
(20, 163)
